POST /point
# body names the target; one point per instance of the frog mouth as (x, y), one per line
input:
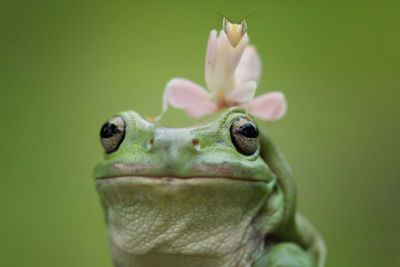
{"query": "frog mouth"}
(200, 171)
(172, 178)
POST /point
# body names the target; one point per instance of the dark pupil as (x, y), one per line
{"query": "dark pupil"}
(108, 130)
(249, 130)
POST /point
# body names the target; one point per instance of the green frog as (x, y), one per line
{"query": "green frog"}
(216, 194)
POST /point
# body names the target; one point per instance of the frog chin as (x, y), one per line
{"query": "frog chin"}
(212, 216)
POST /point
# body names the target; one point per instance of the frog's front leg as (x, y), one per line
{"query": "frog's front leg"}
(285, 254)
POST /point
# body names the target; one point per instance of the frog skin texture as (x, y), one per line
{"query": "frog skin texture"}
(192, 197)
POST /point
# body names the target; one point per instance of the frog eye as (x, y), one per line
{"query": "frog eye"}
(244, 135)
(112, 133)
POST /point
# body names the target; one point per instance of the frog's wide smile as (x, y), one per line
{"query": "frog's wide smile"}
(171, 178)
(201, 170)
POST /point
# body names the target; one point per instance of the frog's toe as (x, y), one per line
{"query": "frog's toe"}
(285, 255)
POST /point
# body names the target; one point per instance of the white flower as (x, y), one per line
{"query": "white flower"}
(232, 72)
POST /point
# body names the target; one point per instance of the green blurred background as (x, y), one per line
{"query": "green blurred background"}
(67, 66)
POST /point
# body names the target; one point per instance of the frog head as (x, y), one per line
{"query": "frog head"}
(185, 192)
(226, 148)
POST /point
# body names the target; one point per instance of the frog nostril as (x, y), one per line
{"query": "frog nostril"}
(195, 142)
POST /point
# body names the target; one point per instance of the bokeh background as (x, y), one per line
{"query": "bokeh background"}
(67, 66)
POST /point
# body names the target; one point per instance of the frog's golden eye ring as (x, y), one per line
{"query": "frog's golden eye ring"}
(244, 135)
(112, 133)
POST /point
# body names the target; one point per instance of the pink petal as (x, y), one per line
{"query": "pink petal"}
(201, 109)
(211, 53)
(184, 94)
(243, 94)
(271, 106)
(249, 67)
